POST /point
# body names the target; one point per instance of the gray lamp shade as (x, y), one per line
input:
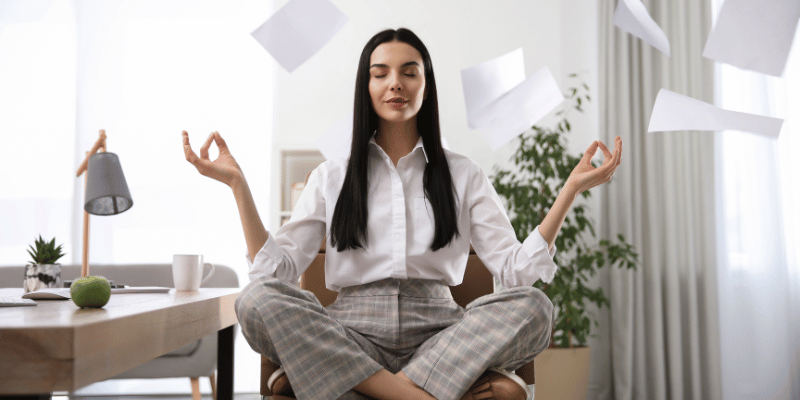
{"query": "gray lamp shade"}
(106, 189)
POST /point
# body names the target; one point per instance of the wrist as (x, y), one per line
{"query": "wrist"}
(238, 183)
(570, 189)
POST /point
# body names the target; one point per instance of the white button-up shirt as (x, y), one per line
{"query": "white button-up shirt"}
(400, 229)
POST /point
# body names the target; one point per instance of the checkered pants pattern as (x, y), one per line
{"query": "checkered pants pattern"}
(410, 325)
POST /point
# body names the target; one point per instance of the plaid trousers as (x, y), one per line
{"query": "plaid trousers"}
(411, 325)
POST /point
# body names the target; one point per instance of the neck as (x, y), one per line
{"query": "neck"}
(397, 139)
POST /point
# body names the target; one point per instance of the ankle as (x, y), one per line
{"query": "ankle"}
(384, 385)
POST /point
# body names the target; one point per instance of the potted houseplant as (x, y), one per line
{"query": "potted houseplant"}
(43, 272)
(541, 166)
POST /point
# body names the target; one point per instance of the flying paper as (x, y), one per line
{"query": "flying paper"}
(16, 11)
(502, 103)
(754, 34)
(676, 112)
(298, 30)
(632, 17)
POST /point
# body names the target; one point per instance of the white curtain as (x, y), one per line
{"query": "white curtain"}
(759, 236)
(659, 339)
(143, 70)
(37, 125)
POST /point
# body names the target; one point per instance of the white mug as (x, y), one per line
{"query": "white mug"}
(187, 270)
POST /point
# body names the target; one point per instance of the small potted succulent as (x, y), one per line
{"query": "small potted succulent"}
(44, 271)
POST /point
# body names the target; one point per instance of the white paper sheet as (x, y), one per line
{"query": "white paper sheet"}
(632, 17)
(754, 34)
(676, 112)
(502, 102)
(335, 143)
(488, 81)
(16, 11)
(298, 30)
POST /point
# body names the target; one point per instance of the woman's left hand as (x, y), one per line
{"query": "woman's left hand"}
(585, 176)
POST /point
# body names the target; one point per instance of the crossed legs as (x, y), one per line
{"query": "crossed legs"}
(323, 359)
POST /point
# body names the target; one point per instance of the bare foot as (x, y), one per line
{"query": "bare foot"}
(384, 385)
(481, 389)
(492, 385)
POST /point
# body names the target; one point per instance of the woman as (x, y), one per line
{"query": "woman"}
(400, 215)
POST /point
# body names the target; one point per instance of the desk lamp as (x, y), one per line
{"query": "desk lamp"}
(106, 189)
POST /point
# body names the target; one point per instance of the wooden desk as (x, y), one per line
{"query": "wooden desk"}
(57, 346)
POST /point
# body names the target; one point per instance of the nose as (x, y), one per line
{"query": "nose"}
(395, 85)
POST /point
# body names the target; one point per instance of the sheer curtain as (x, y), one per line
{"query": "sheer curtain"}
(659, 338)
(759, 236)
(143, 70)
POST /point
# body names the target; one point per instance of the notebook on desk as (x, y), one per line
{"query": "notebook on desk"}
(63, 293)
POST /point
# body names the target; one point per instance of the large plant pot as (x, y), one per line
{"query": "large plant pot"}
(562, 374)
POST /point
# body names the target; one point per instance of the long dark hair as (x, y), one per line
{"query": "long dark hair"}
(349, 222)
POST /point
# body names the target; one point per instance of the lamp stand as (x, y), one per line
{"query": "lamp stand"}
(99, 145)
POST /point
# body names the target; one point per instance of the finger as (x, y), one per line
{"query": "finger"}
(206, 145)
(610, 172)
(483, 388)
(220, 142)
(587, 156)
(191, 156)
(483, 395)
(618, 149)
(187, 148)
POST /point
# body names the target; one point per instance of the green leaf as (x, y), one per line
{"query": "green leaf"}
(538, 169)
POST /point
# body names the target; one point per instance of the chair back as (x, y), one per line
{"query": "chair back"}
(477, 282)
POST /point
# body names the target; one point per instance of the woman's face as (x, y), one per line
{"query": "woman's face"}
(396, 81)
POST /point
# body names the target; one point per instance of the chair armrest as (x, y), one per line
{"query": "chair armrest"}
(526, 372)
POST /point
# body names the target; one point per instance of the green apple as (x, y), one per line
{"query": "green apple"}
(91, 291)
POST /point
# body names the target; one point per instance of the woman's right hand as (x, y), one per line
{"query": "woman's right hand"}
(224, 168)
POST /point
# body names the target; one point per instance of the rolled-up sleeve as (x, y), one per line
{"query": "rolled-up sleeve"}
(289, 252)
(492, 236)
(542, 257)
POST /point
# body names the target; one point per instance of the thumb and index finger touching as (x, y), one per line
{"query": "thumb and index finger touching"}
(213, 137)
(608, 156)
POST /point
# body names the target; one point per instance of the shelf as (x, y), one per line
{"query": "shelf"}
(296, 165)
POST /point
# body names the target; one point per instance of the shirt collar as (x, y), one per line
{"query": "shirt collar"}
(417, 146)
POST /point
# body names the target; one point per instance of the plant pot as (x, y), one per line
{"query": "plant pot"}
(562, 373)
(40, 276)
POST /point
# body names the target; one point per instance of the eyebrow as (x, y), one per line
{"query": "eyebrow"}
(386, 66)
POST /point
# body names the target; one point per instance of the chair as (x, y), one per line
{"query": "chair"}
(478, 281)
(192, 360)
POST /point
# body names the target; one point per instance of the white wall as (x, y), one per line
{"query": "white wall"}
(559, 33)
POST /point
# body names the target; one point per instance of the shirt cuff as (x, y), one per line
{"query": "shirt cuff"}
(541, 257)
(266, 261)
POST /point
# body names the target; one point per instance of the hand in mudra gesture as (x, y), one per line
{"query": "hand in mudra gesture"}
(585, 176)
(224, 168)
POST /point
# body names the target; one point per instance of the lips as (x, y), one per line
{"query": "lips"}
(397, 100)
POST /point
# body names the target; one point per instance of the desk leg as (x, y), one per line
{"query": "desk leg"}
(225, 364)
